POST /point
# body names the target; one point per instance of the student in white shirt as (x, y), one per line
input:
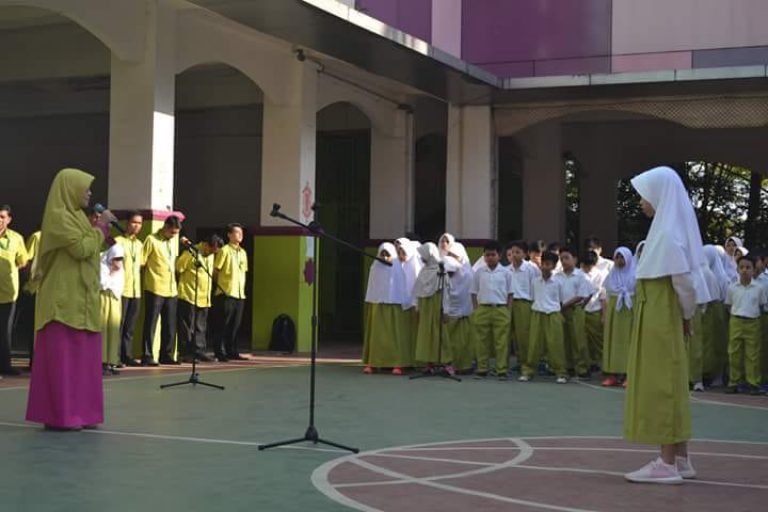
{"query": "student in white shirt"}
(576, 291)
(620, 289)
(523, 274)
(714, 321)
(594, 308)
(593, 243)
(492, 300)
(745, 300)
(546, 331)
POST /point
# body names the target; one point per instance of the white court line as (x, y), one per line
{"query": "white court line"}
(617, 473)
(146, 435)
(433, 459)
(635, 450)
(14, 388)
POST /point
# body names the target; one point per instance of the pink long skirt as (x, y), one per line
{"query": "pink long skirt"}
(66, 387)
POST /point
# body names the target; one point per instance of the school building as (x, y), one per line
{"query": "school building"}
(394, 115)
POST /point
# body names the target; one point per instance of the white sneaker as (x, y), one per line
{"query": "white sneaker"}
(685, 468)
(523, 378)
(699, 386)
(562, 380)
(656, 472)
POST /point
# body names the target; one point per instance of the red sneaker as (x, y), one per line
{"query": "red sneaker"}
(368, 370)
(397, 371)
(610, 381)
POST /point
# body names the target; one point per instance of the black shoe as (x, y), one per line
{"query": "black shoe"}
(169, 361)
(222, 358)
(10, 371)
(131, 362)
(148, 361)
(119, 365)
(236, 357)
(203, 358)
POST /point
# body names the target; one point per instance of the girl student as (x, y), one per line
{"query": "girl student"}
(412, 264)
(620, 287)
(385, 316)
(457, 308)
(427, 290)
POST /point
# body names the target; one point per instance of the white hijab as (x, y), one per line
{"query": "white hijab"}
(621, 281)
(715, 262)
(411, 268)
(729, 264)
(700, 286)
(386, 285)
(460, 275)
(428, 281)
(114, 281)
(448, 238)
(673, 245)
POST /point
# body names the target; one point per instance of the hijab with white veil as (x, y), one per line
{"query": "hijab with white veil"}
(386, 284)
(427, 282)
(621, 281)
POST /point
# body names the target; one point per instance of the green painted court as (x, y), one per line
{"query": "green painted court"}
(196, 448)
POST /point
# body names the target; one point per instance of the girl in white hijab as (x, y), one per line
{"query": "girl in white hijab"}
(620, 287)
(112, 280)
(656, 409)
(384, 317)
(714, 323)
(412, 265)
(696, 339)
(429, 327)
(457, 308)
(728, 256)
(445, 243)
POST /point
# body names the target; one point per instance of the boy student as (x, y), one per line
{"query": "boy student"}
(158, 257)
(576, 290)
(13, 255)
(492, 297)
(745, 299)
(535, 250)
(594, 308)
(229, 269)
(523, 274)
(546, 323)
(194, 267)
(594, 244)
(131, 300)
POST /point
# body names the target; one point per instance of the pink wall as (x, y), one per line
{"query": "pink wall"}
(446, 26)
(650, 26)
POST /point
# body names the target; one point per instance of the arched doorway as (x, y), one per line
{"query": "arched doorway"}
(54, 113)
(343, 193)
(429, 187)
(217, 176)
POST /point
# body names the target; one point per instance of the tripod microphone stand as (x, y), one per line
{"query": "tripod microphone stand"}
(440, 370)
(194, 376)
(311, 434)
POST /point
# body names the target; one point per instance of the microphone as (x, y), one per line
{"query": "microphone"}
(275, 210)
(100, 208)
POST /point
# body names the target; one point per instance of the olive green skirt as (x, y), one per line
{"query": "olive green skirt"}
(383, 335)
(617, 331)
(428, 332)
(460, 335)
(714, 330)
(656, 409)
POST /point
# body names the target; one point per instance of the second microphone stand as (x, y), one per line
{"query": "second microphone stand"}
(311, 434)
(194, 376)
(440, 370)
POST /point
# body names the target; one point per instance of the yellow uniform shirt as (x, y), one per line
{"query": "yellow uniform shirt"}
(132, 264)
(158, 257)
(232, 264)
(13, 255)
(185, 266)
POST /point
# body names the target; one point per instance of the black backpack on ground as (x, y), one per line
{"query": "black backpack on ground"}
(283, 334)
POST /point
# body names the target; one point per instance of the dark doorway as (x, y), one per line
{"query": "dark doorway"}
(429, 172)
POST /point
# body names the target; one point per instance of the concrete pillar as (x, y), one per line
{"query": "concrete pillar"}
(543, 183)
(392, 186)
(141, 131)
(471, 173)
(598, 194)
(283, 262)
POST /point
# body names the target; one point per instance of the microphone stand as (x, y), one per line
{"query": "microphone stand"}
(440, 370)
(194, 376)
(311, 434)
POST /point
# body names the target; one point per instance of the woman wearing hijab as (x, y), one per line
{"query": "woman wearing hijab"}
(384, 298)
(696, 338)
(65, 392)
(427, 291)
(728, 256)
(656, 409)
(714, 325)
(412, 264)
(617, 328)
(457, 308)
